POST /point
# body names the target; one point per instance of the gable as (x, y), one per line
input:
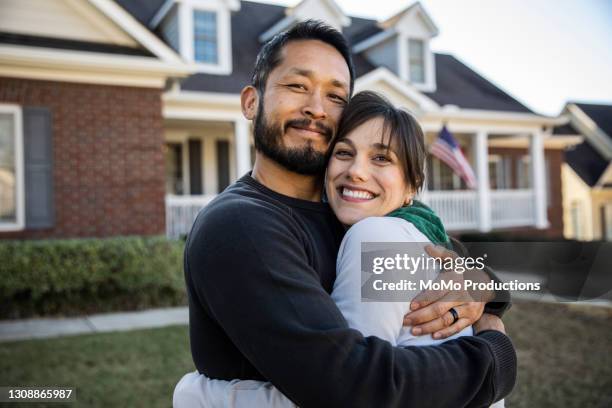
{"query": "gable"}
(399, 93)
(413, 21)
(414, 25)
(324, 10)
(65, 19)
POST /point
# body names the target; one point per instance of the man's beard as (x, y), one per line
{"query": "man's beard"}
(302, 160)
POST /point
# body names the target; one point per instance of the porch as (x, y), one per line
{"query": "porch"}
(205, 155)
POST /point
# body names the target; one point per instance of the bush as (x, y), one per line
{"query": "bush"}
(76, 276)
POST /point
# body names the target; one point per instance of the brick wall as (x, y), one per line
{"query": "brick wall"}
(555, 209)
(107, 152)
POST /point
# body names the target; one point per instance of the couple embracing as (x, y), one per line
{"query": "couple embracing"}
(272, 265)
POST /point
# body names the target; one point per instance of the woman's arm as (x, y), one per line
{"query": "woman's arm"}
(383, 319)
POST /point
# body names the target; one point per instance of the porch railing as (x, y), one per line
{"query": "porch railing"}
(512, 208)
(181, 212)
(457, 209)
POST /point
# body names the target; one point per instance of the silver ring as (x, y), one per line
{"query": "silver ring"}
(455, 315)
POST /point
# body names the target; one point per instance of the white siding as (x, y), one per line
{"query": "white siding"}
(385, 54)
(169, 29)
(69, 19)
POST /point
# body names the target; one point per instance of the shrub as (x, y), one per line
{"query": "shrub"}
(76, 276)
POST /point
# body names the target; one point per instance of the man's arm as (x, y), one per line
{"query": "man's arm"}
(250, 269)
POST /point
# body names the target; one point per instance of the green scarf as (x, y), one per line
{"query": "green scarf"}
(425, 220)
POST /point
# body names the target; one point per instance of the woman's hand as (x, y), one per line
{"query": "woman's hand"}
(430, 310)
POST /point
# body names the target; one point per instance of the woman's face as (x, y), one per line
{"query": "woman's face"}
(364, 178)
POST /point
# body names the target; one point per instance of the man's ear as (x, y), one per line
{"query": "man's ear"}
(249, 102)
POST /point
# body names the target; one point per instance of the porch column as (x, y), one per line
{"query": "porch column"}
(538, 175)
(243, 147)
(481, 150)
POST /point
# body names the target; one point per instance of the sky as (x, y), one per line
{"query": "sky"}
(542, 52)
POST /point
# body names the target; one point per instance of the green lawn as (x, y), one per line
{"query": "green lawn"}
(565, 360)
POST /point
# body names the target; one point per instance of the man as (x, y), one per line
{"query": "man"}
(260, 262)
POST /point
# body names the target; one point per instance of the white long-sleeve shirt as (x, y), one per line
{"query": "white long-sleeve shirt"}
(381, 319)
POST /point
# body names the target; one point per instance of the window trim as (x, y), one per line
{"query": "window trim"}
(186, 15)
(19, 223)
(429, 63)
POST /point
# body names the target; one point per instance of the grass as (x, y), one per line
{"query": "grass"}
(565, 360)
(122, 369)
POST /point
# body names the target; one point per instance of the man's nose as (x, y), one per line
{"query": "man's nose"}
(314, 108)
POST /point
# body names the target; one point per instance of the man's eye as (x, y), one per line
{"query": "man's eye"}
(297, 86)
(338, 99)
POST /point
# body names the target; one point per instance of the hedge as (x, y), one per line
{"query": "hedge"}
(78, 276)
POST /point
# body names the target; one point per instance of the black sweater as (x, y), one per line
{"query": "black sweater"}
(259, 268)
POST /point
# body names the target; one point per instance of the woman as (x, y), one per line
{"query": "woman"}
(375, 167)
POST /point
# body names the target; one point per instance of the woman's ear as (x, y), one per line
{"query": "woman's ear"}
(409, 197)
(249, 102)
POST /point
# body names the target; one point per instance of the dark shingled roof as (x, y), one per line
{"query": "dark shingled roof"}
(63, 44)
(457, 84)
(600, 114)
(567, 129)
(141, 10)
(586, 162)
(360, 29)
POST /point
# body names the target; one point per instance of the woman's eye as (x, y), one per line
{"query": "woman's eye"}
(381, 158)
(342, 153)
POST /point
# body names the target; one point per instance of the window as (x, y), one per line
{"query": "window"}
(205, 45)
(416, 55)
(606, 222)
(524, 172)
(11, 169)
(576, 219)
(441, 177)
(174, 168)
(500, 172)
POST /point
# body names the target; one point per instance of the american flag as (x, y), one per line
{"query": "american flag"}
(447, 149)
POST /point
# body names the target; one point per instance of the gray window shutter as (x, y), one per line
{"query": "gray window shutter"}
(38, 155)
(195, 166)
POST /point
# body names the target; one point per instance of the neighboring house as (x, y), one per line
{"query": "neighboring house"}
(587, 173)
(123, 117)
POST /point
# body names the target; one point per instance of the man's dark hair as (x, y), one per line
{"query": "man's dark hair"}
(399, 125)
(269, 56)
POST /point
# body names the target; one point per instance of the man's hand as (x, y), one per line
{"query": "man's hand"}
(430, 310)
(489, 322)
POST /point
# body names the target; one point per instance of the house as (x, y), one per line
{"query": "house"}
(123, 117)
(587, 172)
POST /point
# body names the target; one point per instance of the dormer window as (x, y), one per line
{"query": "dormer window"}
(403, 47)
(416, 61)
(200, 30)
(205, 44)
